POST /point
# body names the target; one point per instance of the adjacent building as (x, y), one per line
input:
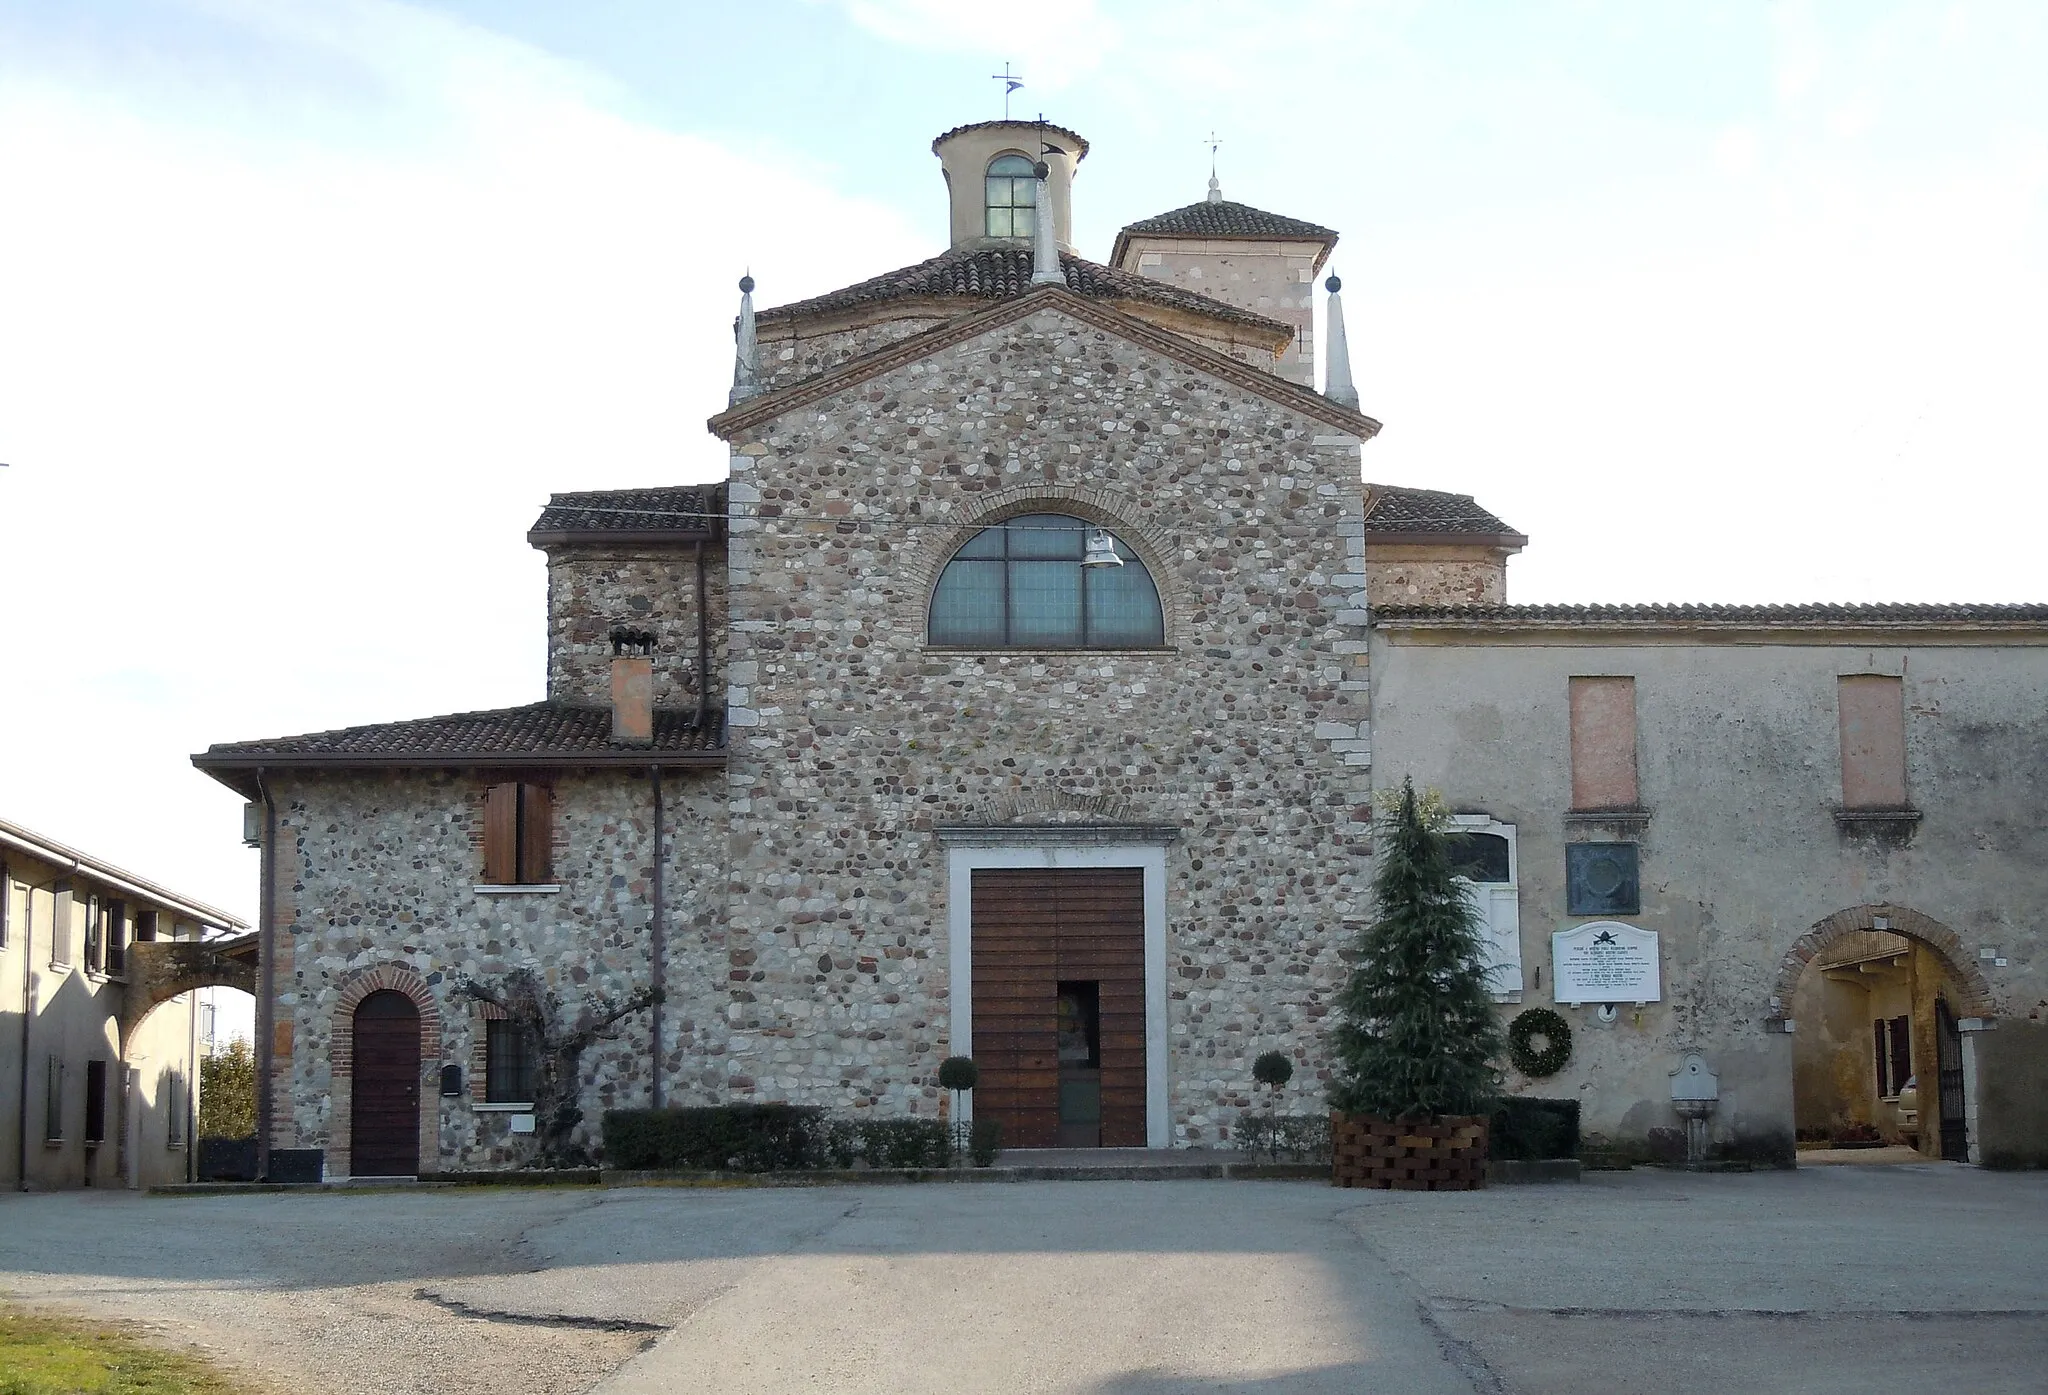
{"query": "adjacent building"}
(98, 1020)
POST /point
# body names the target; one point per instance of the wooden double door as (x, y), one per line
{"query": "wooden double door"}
(1059, 1005)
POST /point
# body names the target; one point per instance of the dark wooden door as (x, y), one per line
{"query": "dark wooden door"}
(1034, 928)
(1948, 1059)
(384, 1109)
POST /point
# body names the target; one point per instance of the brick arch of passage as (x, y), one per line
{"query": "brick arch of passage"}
(1899, 920)
(1103, 508)
(341, 1059)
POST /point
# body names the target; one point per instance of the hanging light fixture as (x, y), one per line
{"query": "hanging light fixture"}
(1101, 550)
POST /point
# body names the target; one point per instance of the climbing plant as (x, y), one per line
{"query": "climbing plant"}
(558, 1042)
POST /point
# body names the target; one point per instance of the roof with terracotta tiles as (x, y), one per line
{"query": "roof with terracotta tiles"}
(1903, 615)
(675, 513)
(1080, 141)
(1225, 221)
(540, 733)
(1392, 509)
(1001, 273)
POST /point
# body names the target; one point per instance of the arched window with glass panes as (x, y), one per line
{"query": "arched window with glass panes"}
(1012, 194)
(1029, 583)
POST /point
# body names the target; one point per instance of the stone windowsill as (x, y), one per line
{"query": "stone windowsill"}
(502, 1108)
(536, 889)
(1882, 827)
(1620, 824)
(1075, 652)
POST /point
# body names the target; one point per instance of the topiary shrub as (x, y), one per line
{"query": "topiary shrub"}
(1273, 1068)
(986, 1142)
(1528, 1130)
(958, 1073)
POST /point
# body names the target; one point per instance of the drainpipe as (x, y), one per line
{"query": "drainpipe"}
(28, 1001)
(703, 647)
(266, 986)
(657, 946)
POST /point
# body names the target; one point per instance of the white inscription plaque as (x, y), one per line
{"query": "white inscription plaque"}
(1605, 962)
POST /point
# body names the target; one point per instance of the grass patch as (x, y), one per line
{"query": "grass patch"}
(63, 1356)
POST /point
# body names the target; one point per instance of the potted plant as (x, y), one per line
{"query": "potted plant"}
(1416, 1044)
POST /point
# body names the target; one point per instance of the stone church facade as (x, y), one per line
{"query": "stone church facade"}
(1013, 696)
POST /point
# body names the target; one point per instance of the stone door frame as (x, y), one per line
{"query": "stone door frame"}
(1064, 846)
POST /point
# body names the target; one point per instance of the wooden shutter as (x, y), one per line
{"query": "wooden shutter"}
(536, 834)
(501, 835)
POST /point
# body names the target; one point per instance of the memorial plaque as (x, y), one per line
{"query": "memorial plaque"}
(1605, 962)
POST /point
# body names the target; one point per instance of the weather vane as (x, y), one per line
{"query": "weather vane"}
(1011, 82)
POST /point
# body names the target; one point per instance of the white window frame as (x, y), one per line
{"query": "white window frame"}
(1501, 905)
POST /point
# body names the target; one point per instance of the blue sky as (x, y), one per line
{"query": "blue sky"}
(308, 306)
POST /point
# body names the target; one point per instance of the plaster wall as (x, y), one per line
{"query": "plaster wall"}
(591, 589)
(378, 871)
(74, 1015)
(1741, 854)
(852, 740)
(1274, 279)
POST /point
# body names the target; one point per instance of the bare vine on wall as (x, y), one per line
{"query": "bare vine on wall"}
(558, 1042)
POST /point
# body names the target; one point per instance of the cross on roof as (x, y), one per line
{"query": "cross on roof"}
(1011, 82)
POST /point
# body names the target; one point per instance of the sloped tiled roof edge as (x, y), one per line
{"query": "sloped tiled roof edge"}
(1819, 616)
(1226, 221)
(1310, 403)
(1080, 141)
(1000, 273)
(538, 734)
(665, 513)
(1396, 513)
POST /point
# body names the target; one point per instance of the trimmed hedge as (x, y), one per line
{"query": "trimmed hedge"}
(767, 1138)
(1527, 1130)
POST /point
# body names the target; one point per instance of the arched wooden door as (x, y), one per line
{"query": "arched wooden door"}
(384, 1108)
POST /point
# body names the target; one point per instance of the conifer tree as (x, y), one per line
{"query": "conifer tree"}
(1417, 1034)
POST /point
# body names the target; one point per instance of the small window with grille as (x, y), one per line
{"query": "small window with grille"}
(508, 1062)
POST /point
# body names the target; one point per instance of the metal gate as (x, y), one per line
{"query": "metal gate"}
(1948, 1056)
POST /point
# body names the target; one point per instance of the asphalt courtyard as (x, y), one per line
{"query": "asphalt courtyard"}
(1828, 1279)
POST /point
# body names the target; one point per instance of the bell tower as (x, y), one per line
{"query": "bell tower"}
(990, 183)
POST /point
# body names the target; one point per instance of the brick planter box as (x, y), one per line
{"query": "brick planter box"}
(1442, 1154)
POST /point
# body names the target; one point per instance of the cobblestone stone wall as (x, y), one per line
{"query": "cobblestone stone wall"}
(591, 589)
(1405, 575)
(852, 739)
(379, 871)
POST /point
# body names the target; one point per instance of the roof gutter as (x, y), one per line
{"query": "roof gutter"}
(20, 839)
(234, 770)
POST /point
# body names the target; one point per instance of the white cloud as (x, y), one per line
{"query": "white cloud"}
(281, 407)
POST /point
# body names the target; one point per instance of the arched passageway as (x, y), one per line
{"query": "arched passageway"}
(1877, 996)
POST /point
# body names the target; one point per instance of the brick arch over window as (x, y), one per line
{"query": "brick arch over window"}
(1102, 508)
(341, 1091)
(1900, 920)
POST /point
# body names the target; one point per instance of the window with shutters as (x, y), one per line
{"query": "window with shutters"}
(1483, 857)
(518, 835)
(95, 935)
(95, 1101)
(1894, 1043)
(53, 1101)
(116, 938)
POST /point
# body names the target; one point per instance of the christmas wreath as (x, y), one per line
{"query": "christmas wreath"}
(1556, 1035)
